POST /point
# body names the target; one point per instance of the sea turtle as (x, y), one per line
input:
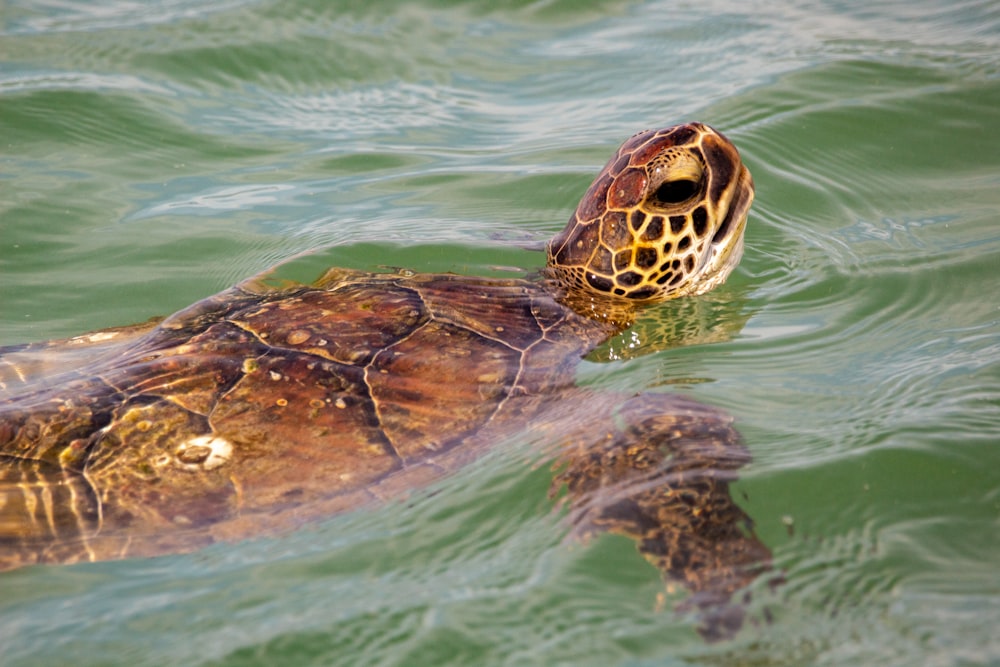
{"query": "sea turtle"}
(266, 404)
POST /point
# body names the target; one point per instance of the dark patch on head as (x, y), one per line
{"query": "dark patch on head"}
(676, 264)
(664, 278)
(636, 219)
(676, 279)
(645, 258)
(642, 293)
(689, 263)
(619, 291)
(721, 164)
(700, 218)
(599, 283)
(682, 134)
(654, 230)
(629, 278)
(684, 243)
(736, 206)
(677, 223)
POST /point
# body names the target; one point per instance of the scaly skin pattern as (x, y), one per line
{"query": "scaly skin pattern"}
(663, 219)
(264, 406)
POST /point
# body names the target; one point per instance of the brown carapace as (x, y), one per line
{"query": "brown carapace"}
(266, 405)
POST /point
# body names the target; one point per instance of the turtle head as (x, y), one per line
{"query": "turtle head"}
(665, 218)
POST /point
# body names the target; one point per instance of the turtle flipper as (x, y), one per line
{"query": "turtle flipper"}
(662, 479)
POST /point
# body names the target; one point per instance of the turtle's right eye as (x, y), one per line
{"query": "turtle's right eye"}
(671, 193)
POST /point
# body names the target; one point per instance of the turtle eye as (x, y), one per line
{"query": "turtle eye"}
(671, 193)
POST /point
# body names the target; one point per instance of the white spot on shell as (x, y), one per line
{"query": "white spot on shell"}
(212, 452)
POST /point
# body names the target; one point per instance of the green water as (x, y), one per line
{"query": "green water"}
(152, 154)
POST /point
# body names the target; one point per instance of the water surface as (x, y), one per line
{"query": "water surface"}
(155, 154)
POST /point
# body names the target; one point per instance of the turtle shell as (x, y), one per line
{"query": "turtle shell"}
(256, 400)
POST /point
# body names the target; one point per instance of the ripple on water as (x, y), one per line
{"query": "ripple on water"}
(853, 265)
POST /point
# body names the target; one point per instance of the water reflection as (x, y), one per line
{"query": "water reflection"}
(663, 480)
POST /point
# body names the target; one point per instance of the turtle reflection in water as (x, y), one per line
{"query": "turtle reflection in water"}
(264, 404)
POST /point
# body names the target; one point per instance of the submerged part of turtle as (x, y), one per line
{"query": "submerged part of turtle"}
(263, 405)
